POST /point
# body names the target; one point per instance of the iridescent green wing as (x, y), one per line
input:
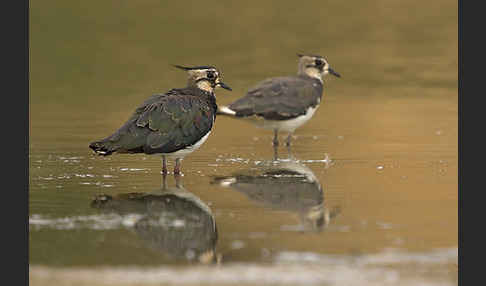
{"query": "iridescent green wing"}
(163, 124)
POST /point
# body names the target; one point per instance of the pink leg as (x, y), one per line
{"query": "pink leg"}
(164, 165)
(275, 137)
(287, 142)
(177, 167)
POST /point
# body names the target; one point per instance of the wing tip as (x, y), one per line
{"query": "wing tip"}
(100, 149)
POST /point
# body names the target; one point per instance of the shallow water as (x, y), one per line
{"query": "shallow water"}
(366, 195)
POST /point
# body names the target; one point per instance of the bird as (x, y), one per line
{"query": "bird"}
(285, 184)
(171, 124)
(284, 103)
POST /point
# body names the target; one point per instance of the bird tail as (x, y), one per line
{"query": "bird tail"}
(225, 110)
(103, 147)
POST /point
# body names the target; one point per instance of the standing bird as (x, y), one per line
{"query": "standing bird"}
(173, 124)
(284, 103)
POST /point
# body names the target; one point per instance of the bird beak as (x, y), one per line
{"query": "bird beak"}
(223, 85)
(331, 71)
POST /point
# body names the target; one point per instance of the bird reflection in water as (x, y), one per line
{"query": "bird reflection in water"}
(284, 184)
(170, 219)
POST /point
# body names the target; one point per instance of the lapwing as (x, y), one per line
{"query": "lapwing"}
(170, 220)
(172, 124)
(284, 103)
(284, 185)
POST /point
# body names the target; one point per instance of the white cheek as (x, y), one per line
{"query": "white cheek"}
(315, 73)
(204, 85)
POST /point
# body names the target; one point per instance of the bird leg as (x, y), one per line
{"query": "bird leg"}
(164, 181)
(275, 137)
(289, 149)
(287, 141)
(275, 153)
(177, 178)
(177, 167)
(289, 154)
(164, 165)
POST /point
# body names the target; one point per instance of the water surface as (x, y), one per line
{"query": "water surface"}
(367, 194)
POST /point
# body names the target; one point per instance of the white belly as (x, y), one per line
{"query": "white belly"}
(188, 150)
(288, 125)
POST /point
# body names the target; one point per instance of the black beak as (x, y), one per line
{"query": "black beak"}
(223, 85)
(331, 71)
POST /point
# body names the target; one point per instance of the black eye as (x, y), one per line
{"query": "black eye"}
(319, 62)
(211, 75)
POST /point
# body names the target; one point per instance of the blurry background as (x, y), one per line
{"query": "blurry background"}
(389, 124)
(85, 50)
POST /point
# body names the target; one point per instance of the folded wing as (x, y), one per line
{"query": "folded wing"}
(279, 98)
(162, 124)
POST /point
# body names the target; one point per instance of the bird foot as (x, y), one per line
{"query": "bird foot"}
(165, 173)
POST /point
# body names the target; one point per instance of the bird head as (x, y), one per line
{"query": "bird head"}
(206, 78)
(315, 66)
